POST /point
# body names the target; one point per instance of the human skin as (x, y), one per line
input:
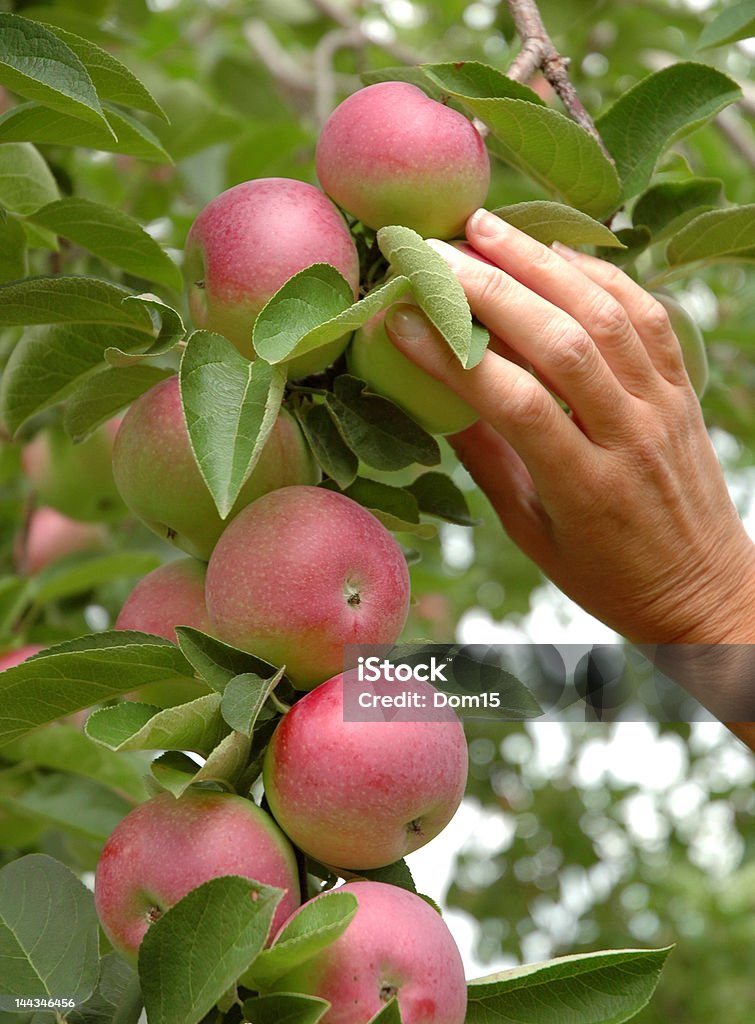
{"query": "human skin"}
(391, 155)
(170, 596)
(248, 242)
(300, 573)
(622, 503)
(50, 536)
(160, 482)
(373, 358)
(395, 945)
(362, 794)
(75, 479)
(166, 847)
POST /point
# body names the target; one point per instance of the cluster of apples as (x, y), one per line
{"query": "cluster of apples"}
(295, 573)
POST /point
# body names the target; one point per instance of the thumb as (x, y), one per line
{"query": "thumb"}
(415, 337)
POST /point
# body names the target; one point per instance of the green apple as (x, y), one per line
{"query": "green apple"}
(374, 358)
(691, 340)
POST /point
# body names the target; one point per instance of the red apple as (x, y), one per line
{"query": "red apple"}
(12, 658)
(75, 479)
(391, 155)
(160, 481)
(166, 847)
(363, 794)
(51, 536)
(170, 596)
(248, 242)
(300, 573)
(395, 945)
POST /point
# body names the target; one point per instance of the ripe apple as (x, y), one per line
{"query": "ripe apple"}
(691, 341)
(170, 596)
(12, 658)
(160, 481)
(301, 572)
(51, 536)
(75, 479)
(391, 155)
(248, 242)
(373, 357)
(166, 847)
(362, 794)
(395, 945)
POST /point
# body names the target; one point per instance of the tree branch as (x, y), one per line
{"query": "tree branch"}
(343, 17)
(539, 53)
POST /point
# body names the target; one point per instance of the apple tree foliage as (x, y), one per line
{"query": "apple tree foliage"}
(119, 121)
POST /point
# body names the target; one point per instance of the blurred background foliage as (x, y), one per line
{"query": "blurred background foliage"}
(570, 855)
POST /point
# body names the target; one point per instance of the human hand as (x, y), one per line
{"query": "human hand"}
(620, 501)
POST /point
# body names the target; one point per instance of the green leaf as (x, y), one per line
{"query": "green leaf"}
(13, 262)
(437, 495)
(79, 807)
(376, 430)
(26, 181)
(716, 234)
(634, 240)
(243, 699)
(32, 122)
(36, 64)
(435, 287)
(660, 109)
(331, 451)
(414, 75)
(111, 235)
(66, 300)
(731, 24)
(99, 397)
(192, 955)
(196, 725)
(224, 766)
(390, 1014)
(474, 79)
(112, 80)
(312, 309)
(590, 988)
(397, 873)
(230, 405)
(668, 206)
(48, 932)
(80, 673)
(50, 363)
(286, 1008)
(63, 579)
(550, 222)
(171, 331)
(118, 998)
(393, 506)
(542, 143)
(66, 749)
(216, 662)
(313, 928)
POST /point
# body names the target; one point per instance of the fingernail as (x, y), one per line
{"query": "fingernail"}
(406, 322)
(487, 224)
(564, 250)
(452, 256)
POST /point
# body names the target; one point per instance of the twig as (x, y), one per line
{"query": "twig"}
(734, 131)
(325, 81)
(539, 53)
(343, 17)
